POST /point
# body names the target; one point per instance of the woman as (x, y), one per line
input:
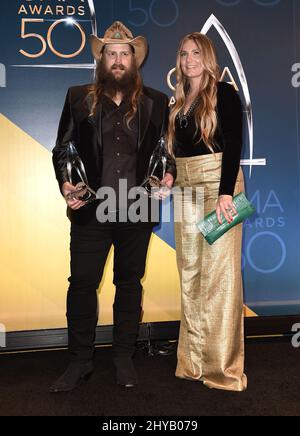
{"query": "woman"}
(205, 135)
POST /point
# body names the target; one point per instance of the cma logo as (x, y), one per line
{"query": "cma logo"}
(296, 337)
(2, 76)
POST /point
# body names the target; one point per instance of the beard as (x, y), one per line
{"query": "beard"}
(113, 83)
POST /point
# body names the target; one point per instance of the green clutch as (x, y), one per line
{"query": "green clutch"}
(212, 230)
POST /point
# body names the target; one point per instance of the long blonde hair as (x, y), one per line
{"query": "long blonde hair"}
(205, 112)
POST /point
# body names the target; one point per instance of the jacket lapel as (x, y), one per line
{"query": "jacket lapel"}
(144, 112)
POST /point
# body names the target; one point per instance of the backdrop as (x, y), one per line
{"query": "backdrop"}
(44, 50)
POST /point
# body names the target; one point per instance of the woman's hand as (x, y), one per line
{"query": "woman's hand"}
(168, 180)
(74, 204)
(166, 186)
(226, 208)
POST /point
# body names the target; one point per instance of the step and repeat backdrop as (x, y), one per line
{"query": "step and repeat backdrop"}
(44, 49)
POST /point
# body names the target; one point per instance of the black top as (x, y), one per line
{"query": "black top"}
(119, 145)
(228, 137)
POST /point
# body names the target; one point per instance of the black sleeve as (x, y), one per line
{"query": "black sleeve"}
(171, 164)
(231, 123)
(64, 135)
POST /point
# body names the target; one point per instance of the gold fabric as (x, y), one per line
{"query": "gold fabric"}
(211, 342)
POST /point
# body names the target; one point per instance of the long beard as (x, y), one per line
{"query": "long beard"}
(111, 85)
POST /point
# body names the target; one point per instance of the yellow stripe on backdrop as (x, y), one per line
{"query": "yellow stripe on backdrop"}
(34, 238)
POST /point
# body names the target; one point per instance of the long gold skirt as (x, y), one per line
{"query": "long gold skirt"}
(211, 341)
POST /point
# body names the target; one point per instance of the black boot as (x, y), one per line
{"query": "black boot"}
(75, 373)
(125, 371)
(127, 313)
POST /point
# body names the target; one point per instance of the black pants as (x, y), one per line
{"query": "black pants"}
(90, 245)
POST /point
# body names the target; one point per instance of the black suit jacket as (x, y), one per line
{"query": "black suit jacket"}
(76, 125)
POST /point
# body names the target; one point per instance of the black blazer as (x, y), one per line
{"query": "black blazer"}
(76, 125)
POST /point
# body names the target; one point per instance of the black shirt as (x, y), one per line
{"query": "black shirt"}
(228, 137)
(119, 145)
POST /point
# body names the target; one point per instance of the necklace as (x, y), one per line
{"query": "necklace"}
(183, 118)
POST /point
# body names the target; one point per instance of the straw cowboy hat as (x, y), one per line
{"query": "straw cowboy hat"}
(117, 33)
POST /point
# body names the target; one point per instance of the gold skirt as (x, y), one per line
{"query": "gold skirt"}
(211, 341)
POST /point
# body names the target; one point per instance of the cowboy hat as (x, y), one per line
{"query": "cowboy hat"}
(117, 33)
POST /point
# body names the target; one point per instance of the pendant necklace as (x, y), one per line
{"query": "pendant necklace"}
(183, 118)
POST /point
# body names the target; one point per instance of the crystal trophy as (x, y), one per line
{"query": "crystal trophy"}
(77, 177)
(157, 168)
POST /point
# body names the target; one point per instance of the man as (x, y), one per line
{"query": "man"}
(115, 125)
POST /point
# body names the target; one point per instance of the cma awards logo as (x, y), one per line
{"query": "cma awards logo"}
(86, 7)
(214, 22)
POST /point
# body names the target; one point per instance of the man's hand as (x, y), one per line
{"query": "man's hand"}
(225, 207)
(74, 204)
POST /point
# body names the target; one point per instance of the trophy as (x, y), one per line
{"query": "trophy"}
(156, 169)
(77, 177)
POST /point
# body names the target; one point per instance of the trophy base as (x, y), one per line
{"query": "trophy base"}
(151, 183)
(153, 187)
(83, 193)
